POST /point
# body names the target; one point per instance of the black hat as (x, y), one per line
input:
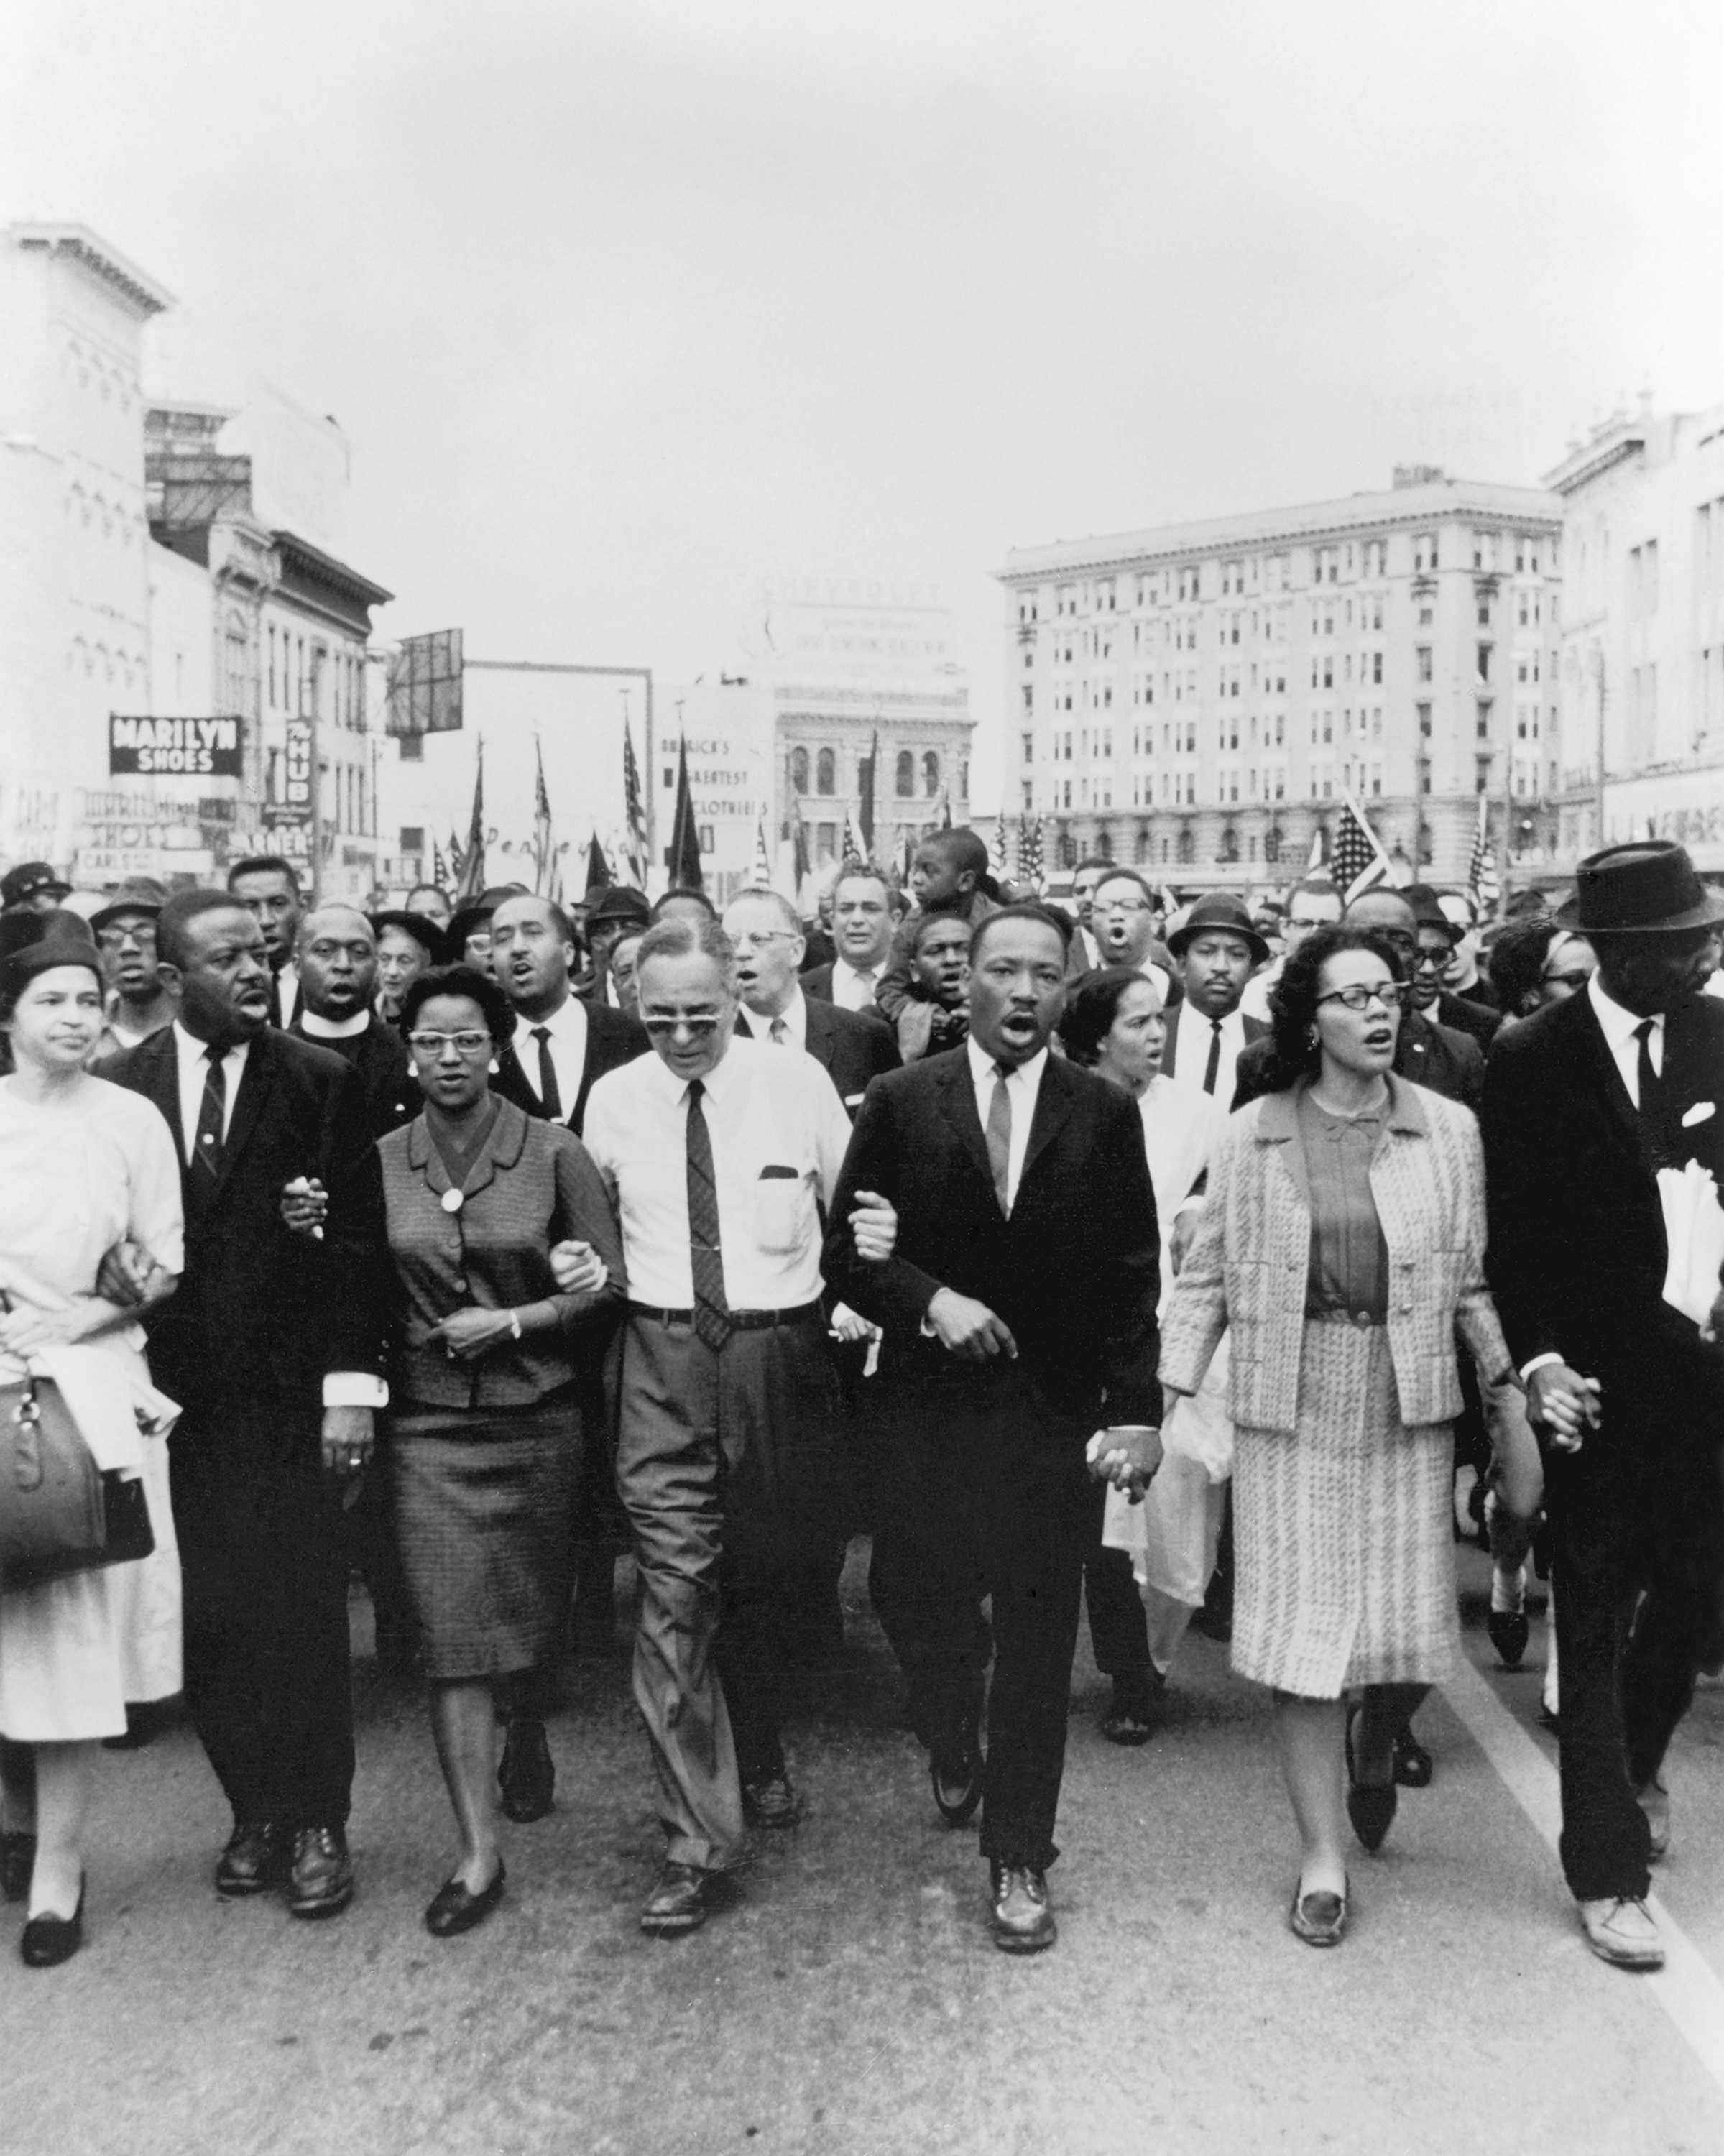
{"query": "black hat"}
(1219, 908)
(28, 880)
(468, 922)
(141, 895)
(32, 944)
(617, 901)
(1646, 887)
(1428, 910)
(420, 926)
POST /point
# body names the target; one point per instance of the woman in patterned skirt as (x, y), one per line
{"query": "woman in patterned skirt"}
(1343, 1244)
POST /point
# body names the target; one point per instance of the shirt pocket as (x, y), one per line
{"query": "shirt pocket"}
(782, 1211)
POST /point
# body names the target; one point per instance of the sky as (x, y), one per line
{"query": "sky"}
(626, 304)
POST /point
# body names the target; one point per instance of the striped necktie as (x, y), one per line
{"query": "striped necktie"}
(712, 1312)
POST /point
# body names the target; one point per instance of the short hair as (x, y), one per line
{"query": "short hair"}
(860, 872)
(1094, 1005)
(1091, 861)
(566, 930)
(1045, 915)
(334, 906)
(776, 898)
(1316, 887)
(924, 924)
(680, 938)
(181, 910)
(1380, 890)
(262, 864)
(1517, 959)
(1293, 999)
(963, 847)
(461, 980)
(1117, 875)
(679, 890)
(436, 890)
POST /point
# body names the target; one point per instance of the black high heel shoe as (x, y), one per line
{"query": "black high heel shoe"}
(48, 1941)
(1370, 1805)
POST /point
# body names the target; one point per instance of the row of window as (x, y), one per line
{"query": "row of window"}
(302, 673)
(823, 768)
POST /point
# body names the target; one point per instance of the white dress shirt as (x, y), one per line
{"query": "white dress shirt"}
(1181, 1124)
(194, 1070)
(764, 1110)
(794, 1019)
(1619, 1026)
(1255, 1002)
(567, 1027)
(853, 990)
(1022, 1085)
(1188, 1056)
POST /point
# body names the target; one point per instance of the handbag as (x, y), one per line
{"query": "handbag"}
(59, 1512)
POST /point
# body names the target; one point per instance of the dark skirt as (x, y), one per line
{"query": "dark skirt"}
(484, 1505)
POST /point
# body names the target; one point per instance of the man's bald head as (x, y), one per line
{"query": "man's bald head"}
(349, 920)
(1386, 914)
(336, 954)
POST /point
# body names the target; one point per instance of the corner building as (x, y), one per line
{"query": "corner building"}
(1197, 700)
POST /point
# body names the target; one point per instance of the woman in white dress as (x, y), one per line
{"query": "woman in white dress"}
(87, 1173)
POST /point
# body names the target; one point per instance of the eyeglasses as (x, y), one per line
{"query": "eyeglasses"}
(1435, 960)
(1123, 905)
(699, 1026)
(116, 939)
(757, 939)
(464, 1044)
(1391, 995)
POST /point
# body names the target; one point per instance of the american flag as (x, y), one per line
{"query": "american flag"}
(1481, 871)
(544, 847)
(439, 872)
(762, 870)
(1357, 861)
(856, 847)
(635, 814)
(999, 864)
(1029, 852)
(470, 868)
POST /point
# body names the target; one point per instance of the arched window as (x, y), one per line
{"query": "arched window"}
(1104, 845)
(931, 774)
(825, 773)
(904, 783)
(1143, 852)
(1272, 844)
(798, 770)
(1229, 844)
(1188, 845)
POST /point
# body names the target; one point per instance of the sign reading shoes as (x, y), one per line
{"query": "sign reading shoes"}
(209, 748)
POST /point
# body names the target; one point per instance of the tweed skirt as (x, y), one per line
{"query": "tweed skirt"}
(1343, 1535)
(484, 1507)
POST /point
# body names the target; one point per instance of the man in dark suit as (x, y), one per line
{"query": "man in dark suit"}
(1018, 1309)
(1450, 1060)
(268, 887)
(850, 1046)
(1437, 937)
(561, 1043)
(1216, 950)
(273, 1346)
(337, 955)
(862, 925)
(1585, 1103)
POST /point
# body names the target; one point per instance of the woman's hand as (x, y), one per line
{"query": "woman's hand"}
(874, 1225)
(1127, 1456)
(467, 1334)
(579, 1268)
(305, 1205)
(29, 1331)
(126, 1274)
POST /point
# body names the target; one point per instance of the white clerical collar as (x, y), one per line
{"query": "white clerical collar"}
(333, 1029)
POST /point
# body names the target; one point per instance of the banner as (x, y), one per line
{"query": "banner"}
(293, 803)
(204, 748)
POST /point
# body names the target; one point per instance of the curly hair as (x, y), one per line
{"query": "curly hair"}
(1517, 961)
(459, 980)
(1293, 999)
(1092, 1007)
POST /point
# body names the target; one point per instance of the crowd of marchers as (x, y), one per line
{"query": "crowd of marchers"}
(1206, 1266)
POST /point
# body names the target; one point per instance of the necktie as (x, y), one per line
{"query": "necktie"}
(780, 1033)
(212, 1113)
(712, 1312)
(999, 1140)
(550, 1095)
(1649, 1085)
(1212, 1067)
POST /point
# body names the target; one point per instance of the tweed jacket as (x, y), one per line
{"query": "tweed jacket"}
(1248, 1268)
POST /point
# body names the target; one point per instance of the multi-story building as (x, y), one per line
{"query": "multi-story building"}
(1642, 680)
(1201, 699)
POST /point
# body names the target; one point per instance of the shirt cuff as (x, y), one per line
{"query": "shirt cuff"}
(1539, 1363)
(1194, 1204)
(354, 1389)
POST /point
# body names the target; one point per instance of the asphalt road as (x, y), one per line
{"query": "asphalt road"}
(847, 1999)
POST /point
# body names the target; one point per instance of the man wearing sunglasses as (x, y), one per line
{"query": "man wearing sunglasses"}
(1437, 937)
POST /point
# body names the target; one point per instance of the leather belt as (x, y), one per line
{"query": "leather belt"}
(740, 1320)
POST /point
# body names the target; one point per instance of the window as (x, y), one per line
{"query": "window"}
(1484, 662)
(931, 774)
(1028, 748)
(825, 773)
(1422, 655)
(904, 776)
(1425, 550)
(825, 834)
(798, 770)
(1482, 719)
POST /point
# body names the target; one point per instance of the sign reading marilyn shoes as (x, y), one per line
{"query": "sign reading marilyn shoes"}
(203, 748)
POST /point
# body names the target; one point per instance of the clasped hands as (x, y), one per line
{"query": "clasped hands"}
(1565, 1403)
(1126, 1454)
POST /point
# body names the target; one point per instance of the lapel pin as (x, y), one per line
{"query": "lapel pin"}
(451, 1201)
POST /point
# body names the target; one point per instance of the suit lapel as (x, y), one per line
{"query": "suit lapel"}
(958, 1098)
(1608, 1080)
(820, 1031)
(1054, 1102)
(164, 1087)
(255, 1083)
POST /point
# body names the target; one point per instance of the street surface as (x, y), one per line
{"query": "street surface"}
(849, 1999)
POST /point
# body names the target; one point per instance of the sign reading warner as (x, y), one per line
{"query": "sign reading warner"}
(206, 748)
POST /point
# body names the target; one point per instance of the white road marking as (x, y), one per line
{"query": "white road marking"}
(1688, 1988)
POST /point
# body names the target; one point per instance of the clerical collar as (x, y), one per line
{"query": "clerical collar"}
(334, 1029)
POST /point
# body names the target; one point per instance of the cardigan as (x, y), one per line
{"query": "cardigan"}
(1248, 1267)
(533, 1184)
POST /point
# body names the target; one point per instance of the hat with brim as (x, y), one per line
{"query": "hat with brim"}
(468, 922)
(143, 896)
(62, 939)
(1427, 910)
(28, 880)
(618, 902)
(424, 931)
(1221, 911)
(1646, 889)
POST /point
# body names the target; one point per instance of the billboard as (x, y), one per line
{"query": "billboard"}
(293, 803)
(155, 748)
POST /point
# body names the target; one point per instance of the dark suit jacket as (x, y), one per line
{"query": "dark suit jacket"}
(1074, 1272)
(1461, 1015)
(820, 950)
(1577, 1254)
(261, 1315)
(851, 1046)
(612, 1038)
(379, 1054)
(1254, 1030)
(1429, 1055)
(817, 981)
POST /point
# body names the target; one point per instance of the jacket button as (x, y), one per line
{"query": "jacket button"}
(459, 1286)
(1362, 1317)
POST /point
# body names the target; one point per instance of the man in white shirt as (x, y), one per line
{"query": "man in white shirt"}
(719, 1152)
(1312, 905)
(1216, 949)
(862, 930)
(1124, 917)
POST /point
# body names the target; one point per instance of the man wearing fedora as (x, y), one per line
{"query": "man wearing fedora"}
(36, 884)
(1437, 936)
(1585, 1102)
(139, 1004)
(1217, 951)
(610, 913)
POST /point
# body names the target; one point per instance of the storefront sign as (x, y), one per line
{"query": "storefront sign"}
(203, 748)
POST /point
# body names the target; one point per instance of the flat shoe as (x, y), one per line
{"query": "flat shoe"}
(1319, 1917)
(1619, 1929)
(678, 1902)
(1131, 1717)
(455, 1907)
(770, 1801)
(48, 1941)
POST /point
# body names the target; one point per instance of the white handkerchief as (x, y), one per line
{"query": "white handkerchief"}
(1694, 1237)
(1701, 1112)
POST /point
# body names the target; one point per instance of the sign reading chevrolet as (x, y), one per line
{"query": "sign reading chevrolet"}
(206, 748)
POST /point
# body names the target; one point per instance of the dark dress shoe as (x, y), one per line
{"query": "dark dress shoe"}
(1132, 1717)
(957, 1779)
(770, 1800)
(254, 1861)
(48, 1941)
(527, 1778)
(320, 1883)
(678, 1901)
(455, 1908)
(1414, 1766)
(1022, 1918)
(18, 1860)
(1319, 1918)
(1370, 1805)
(1508, 1634)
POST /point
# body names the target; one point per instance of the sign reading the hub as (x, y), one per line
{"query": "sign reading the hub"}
(294, 803)
(203, 748)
